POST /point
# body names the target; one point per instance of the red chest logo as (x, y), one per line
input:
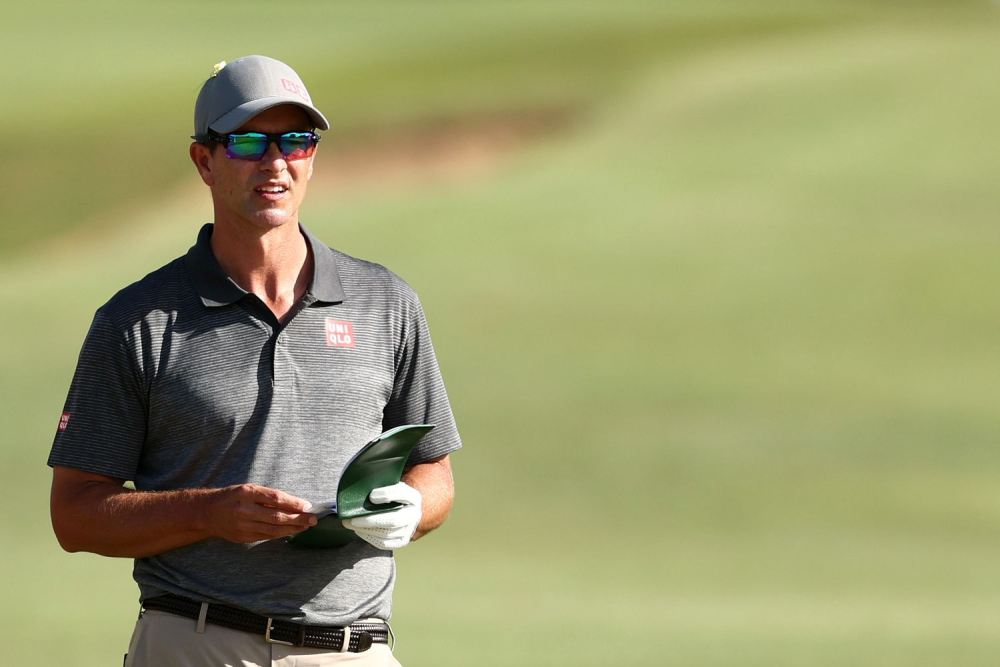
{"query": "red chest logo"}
(64, 421)
(339, 333)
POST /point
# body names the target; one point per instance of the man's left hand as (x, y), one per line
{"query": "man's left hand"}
(390, 530)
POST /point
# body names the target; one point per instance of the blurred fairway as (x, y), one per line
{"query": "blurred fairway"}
(722, 349)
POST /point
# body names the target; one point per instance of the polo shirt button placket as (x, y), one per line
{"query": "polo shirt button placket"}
(276, 359)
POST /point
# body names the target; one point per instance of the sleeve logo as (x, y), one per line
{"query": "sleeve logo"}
(64, 421)
(339, 333)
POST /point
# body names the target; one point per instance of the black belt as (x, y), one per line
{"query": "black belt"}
(360, 636)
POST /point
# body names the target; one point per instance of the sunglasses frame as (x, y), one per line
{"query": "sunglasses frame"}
(227, 140)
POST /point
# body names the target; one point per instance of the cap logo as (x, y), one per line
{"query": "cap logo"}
(296, 88)
(339, 333)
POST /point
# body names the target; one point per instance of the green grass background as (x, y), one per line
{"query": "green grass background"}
(722, 349)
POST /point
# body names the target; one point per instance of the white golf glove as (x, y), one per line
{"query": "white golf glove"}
(389, 530)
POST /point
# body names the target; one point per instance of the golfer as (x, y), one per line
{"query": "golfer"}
(232, 386)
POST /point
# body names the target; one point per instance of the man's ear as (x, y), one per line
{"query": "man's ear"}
(201, 155)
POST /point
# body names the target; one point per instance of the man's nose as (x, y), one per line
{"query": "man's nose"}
(273, 160)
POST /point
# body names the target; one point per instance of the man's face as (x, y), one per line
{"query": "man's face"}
(265, 193)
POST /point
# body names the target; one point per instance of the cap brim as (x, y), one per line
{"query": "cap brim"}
(243, 113)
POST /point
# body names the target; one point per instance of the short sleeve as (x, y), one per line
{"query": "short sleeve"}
(418, 393)
(103, 424)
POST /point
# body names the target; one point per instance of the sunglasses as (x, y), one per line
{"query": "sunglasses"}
(253, 145)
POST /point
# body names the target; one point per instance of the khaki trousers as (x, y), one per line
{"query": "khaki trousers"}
(164, 640)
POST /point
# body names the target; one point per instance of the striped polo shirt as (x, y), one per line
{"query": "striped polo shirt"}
(185, 380)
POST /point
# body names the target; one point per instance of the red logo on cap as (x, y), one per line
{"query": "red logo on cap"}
(64, 421)
(296, 88)
(339, 333)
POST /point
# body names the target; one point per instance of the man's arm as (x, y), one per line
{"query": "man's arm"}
(434, 481)
(92, 512)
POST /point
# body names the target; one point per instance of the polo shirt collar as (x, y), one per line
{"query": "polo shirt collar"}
(325, 284)
(217, 289)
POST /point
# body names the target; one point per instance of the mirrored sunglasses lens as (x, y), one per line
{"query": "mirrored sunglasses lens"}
(247, 146)
(297, 146)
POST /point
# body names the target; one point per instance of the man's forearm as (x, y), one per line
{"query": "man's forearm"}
(122, 522)
(95, 513)
(437, 490)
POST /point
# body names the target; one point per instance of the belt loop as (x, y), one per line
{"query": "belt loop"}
(392, 638)
(201, 618)
(347, 639)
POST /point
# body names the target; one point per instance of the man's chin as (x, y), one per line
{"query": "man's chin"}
(273, 219)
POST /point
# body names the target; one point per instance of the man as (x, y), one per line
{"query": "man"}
(232, 386)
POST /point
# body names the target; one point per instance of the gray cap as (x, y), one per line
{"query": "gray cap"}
(238, 91)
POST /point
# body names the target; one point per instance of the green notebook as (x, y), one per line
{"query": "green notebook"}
(379, 463)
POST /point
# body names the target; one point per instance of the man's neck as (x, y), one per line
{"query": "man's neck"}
(275, 264)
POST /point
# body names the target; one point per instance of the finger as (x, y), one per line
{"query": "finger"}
(405, 516)
(274, 498)
(249, 511)
(385, 543)
(393, 545)
(280, 529)
(397, 493)
(373, 521)
(279, 518)
(257, 532)
(395, 533)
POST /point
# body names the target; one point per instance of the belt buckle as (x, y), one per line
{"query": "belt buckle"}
(267, 635)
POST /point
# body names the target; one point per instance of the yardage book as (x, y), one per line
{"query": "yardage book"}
(379, 463)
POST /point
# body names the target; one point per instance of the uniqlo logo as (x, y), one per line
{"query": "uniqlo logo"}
(339, 333)
(64, 421)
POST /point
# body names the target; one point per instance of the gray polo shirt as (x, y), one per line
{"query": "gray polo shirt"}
(185, 380)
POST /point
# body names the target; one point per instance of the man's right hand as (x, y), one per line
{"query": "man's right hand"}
(251, 513)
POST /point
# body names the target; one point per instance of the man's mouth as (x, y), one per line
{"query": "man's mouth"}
(271, 191)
